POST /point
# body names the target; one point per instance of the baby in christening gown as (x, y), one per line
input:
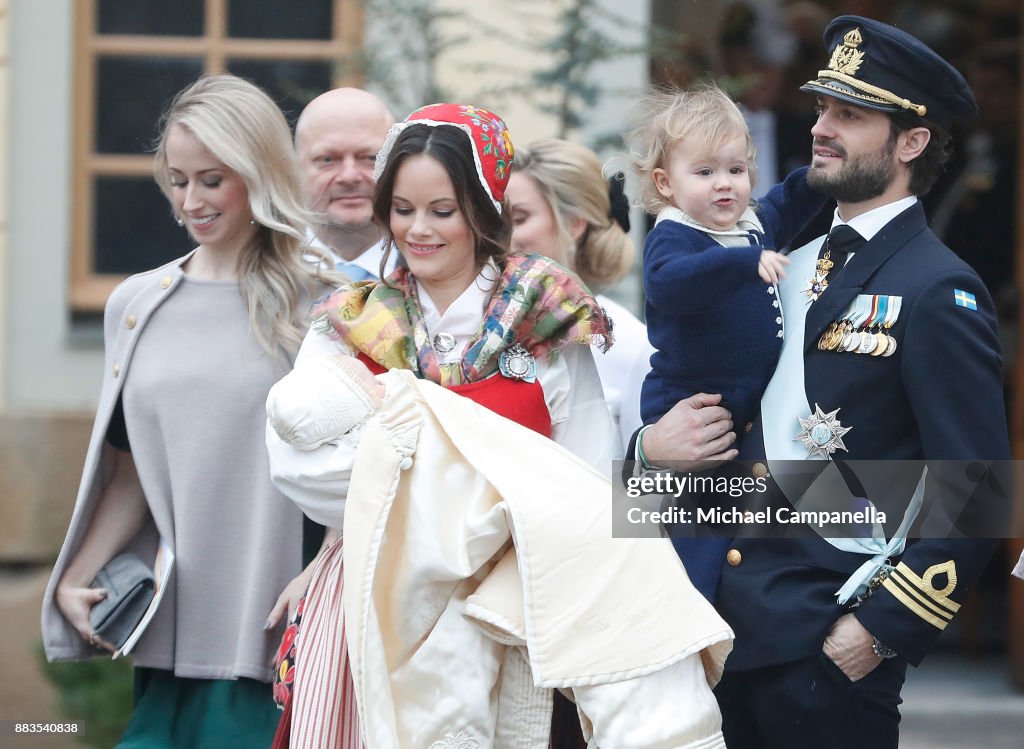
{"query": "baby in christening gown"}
(347, 394)
(432, 582)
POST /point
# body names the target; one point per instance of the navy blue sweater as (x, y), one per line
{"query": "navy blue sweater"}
(716, 325)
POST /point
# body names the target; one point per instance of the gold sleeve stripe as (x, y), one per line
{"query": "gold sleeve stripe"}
(924, 585)
(909, 602)
(921, 600)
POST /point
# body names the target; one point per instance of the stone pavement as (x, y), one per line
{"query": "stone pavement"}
(950, 702)
(955, 702)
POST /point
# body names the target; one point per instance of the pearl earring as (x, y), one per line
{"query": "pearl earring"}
(179, 220)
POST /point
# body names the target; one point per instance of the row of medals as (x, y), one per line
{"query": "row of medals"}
(841, 336)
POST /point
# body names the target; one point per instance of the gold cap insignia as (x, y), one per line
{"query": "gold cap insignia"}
(846, 58)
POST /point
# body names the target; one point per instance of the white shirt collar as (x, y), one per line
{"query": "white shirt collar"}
(870, 223)
(748, 220)
(463, 317)
(368, 260)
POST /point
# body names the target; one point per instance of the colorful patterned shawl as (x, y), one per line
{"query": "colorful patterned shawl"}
(536, 303)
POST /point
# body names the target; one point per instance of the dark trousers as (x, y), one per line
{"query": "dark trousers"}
(811, 704)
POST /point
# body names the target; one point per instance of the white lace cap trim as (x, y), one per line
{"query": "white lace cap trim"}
(398, 127)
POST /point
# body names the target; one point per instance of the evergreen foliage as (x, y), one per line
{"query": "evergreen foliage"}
(96, 693)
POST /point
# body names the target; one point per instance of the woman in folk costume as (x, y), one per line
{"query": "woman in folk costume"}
(449, 634)
(192, 349)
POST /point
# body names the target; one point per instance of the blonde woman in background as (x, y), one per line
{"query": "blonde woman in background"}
(563, 207)
(177, 451)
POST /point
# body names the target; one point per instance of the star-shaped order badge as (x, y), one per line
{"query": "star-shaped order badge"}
(822, 433)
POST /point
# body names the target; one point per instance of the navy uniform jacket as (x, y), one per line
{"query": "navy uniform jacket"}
(938, 397)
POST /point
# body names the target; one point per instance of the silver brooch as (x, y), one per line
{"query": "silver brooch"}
(822, 433)
(517, 363)
(444, 343)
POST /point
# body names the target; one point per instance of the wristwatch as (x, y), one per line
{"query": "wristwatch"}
(882, 651)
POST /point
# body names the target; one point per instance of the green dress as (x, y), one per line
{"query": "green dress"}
(177, 713)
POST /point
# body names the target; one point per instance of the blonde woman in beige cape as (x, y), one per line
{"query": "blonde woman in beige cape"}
(191, 350)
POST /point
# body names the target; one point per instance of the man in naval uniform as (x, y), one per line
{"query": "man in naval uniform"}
(890, 354)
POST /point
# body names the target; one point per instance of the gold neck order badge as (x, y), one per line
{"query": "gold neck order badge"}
(817, 285)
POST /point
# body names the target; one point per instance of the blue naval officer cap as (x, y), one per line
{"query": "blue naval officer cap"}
(877, 66)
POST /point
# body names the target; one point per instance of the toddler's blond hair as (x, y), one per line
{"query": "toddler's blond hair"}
(664, 116)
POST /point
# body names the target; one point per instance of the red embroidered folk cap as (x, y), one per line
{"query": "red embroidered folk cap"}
(492, 146)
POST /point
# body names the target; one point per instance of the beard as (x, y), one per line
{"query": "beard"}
(332, 223)
(860, 178)
(324, 219)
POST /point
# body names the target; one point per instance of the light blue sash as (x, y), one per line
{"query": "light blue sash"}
(785, 401)
(783, 405)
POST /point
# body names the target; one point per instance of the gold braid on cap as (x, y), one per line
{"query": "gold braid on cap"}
(846, 60)
(880, 93)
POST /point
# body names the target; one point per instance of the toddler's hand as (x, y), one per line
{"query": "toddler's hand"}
(772, 266)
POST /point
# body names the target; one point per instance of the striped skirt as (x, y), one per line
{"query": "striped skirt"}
(322, 711)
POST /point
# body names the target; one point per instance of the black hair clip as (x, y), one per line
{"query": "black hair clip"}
(619, 210)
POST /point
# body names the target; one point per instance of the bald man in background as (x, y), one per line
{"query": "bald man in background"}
(336, 140)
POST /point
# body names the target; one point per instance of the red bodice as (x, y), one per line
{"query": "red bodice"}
(522, 402)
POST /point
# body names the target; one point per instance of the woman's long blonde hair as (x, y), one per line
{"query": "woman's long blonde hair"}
(571, 179)
(242, 127)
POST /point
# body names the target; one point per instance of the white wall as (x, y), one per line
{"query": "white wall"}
(4, 110)
(494, 49)
(626, 78)
(490, 60)
(622, 78)
(47, 366)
